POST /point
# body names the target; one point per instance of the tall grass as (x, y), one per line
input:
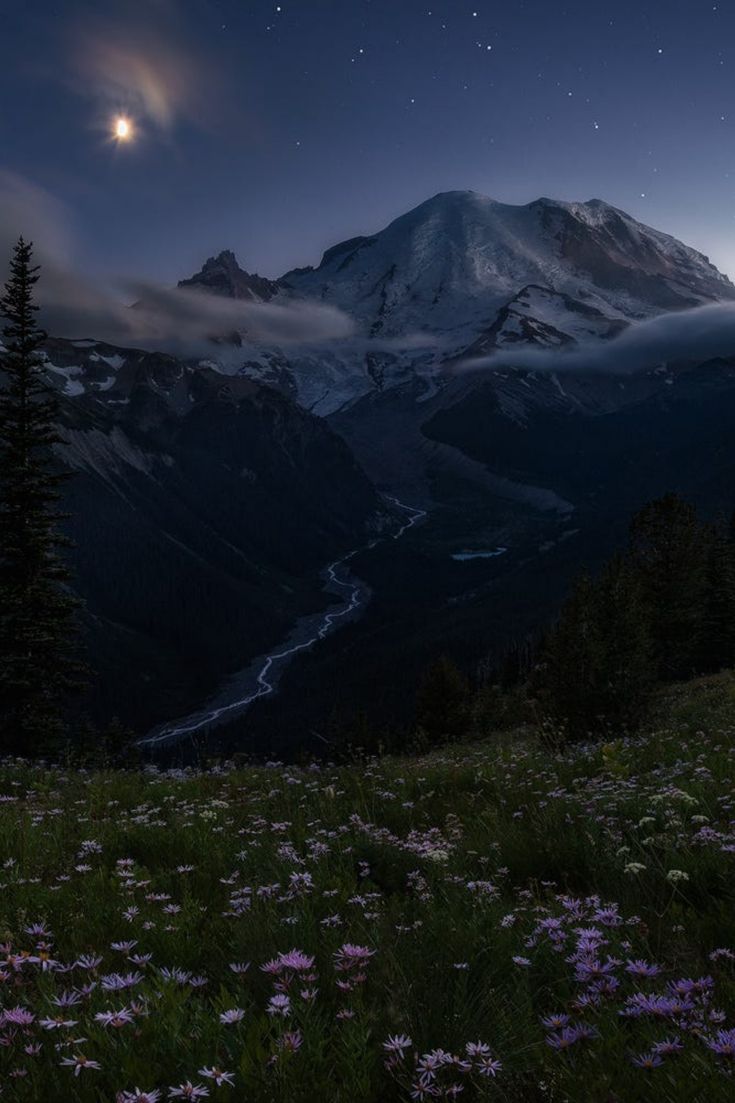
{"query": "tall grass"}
(437, 903)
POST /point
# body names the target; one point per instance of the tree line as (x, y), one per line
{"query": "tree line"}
(660, 611)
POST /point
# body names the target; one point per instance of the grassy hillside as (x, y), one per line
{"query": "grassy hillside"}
(493, 918)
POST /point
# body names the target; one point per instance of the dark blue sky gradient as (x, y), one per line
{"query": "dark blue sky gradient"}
(280, 137)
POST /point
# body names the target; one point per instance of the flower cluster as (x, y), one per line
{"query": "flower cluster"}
(265, 933)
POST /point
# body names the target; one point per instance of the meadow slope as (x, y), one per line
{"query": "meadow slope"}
(495, 920)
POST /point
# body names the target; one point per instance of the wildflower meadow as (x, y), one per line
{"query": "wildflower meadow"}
(492, 921)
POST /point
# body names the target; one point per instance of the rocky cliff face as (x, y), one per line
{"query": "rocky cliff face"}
(202, 510)
(222, 275)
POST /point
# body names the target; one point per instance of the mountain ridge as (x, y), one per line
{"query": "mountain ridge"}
(479, 217)
(449, 262)
(202, 510)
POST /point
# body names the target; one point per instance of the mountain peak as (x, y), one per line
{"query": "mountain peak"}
(226, 258)
(456, 200)
(460, 195)
(222, 275)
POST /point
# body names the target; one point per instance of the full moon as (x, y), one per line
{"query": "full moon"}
(123, 130)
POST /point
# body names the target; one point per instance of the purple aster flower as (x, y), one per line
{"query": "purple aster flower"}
(555, 1022)
(723, 1043)
(563, 1039)
(397, 1044)
(640, 968)
(79, 1062)
(291, 1040)
(115, 1019)
(188, 1091)
(647, 1061)
(279, 1004)
(217, 1074)
(669, 1046)
(17, 1016)
(350, 956)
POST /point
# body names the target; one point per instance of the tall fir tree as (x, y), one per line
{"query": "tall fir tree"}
(38, 664)
(442, 701)
(567, 680)
(597, 670)
(718, 642)
(627, 673)
(670, 550)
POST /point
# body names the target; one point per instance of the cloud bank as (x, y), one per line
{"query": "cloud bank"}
(181, 321)
(185, 321)
(703, 333)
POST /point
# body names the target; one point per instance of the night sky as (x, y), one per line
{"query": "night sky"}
(279, 129)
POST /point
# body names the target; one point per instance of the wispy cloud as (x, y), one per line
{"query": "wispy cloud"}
(28, 209)
(703, 333)
(185, 321)
(178, 321)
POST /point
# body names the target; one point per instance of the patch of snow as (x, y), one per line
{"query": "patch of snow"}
(71, 369)
(463, 556)
(72, 387)
(115, 361)
(557, 384)
(106, 454)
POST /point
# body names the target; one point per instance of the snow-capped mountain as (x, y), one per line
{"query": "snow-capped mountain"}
(453, 263)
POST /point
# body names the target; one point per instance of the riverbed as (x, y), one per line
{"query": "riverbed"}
(262, 676)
